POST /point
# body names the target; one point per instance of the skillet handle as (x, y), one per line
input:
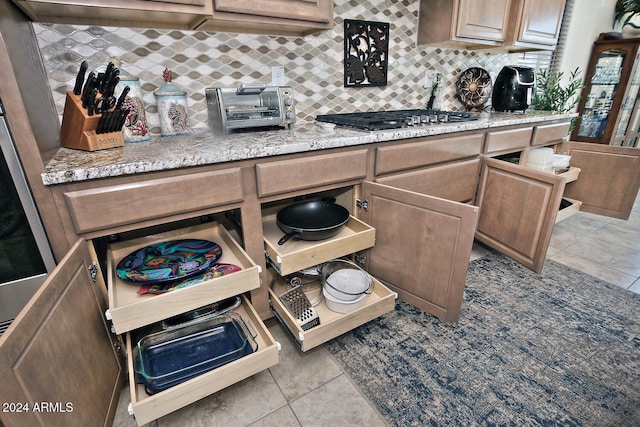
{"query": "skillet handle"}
(287, 236)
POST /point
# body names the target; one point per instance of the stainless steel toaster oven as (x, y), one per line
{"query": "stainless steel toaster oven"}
(250, 106)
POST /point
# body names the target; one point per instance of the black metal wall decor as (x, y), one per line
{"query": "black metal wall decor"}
(366, 53)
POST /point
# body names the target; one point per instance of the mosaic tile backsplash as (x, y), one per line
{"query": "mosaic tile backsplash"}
(313, 64)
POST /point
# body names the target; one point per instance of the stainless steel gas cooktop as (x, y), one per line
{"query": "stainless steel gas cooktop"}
(379, 120)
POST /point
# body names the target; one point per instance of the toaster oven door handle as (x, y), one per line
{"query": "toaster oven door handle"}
(249, 88)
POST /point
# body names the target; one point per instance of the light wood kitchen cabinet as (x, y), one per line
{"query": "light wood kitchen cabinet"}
(286, 17)
(535, 24)
(511, 24)
(518, 207)
(178, 14)
(466, 23)
(423, 245)
(66, 322)
(60, 349)
(609, 178)
(304, 10)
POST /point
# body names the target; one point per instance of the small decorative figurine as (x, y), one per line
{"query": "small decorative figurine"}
(172, 107)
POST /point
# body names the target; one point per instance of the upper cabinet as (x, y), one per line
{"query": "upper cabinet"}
(463, 23)
(507, 24)
(178, 14)
(286, 17)
(535, 24)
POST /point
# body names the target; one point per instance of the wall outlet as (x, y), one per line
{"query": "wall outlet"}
(430, 77)
(277, 76)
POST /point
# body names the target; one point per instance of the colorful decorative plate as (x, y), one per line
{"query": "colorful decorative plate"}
(168, 261)
(216, 270)
(474, 87)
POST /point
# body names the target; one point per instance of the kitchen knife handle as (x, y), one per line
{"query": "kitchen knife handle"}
(77, 88)
(86, 90)
(122, 97)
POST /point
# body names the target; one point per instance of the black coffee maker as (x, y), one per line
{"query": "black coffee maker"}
(513, 89)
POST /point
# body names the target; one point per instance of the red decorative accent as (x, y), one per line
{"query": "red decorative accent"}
(166, 74)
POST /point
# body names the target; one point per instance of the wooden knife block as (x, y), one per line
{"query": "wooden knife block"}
(79, 129)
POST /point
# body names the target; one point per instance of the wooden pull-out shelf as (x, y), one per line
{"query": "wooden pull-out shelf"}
(571, 175)
(332, 324)
(147, 408)
(296, 254)
(568, 211)
(128, 310)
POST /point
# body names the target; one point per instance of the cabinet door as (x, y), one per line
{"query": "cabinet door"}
(304, 10)
(609, 178)
(518, 207)
(483, 19)
(59, 350)
(540, 21)
(181, 14)
(423, 245)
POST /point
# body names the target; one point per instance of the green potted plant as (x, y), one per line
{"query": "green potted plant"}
(552, 95)
(625, 11)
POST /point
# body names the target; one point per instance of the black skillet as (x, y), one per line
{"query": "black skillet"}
(313, 220)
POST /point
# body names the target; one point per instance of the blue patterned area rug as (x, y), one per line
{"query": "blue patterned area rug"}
(557, 349)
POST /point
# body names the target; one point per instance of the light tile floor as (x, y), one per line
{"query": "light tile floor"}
(309, 389)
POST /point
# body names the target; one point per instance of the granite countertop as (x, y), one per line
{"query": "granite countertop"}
(200, 148)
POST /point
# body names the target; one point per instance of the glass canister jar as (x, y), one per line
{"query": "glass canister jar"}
(135, 128)
(172, 107)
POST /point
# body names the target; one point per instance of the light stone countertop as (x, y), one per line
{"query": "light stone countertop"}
(200, 148)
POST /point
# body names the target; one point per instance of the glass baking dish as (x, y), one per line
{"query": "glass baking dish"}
(170, 357)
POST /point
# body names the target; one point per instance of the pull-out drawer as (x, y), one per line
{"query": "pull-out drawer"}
(100, 208)
(296, 254)
(455, 181)
(147, 408)
(550, 134)
(308, 172)
(568, 208)
(505, 140)
(129, 310)
(428, 152)
(332, 324)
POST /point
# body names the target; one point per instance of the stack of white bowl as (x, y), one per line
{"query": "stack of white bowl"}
(345, 286)
(540, 158)
(561, 161)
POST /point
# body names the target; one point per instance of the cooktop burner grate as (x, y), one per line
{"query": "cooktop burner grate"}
(379, 120)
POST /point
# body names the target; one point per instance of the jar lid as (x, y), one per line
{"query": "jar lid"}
(168, 88)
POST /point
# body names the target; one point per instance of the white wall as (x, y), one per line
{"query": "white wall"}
(589, 19)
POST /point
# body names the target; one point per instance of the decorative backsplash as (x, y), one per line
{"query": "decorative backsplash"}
(313, 65)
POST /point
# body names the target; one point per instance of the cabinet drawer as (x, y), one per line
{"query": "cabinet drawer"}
(332, 324)
(571, 175)
(550, 134)
(128, 310)
(513, 139)
(296, 255)
(452, 181)
(407, 156)
(106, 207)
(297, 174)
(568, 211)
(147, 408)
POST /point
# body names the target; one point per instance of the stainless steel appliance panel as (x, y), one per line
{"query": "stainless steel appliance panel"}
(25, 255)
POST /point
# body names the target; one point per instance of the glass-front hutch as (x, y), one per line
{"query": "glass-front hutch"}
(609, 107)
